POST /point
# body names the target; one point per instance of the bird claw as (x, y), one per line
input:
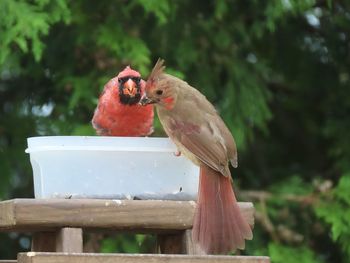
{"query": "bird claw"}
(177, 153)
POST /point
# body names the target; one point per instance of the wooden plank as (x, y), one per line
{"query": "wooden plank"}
(248, 212)
(44, 242)
(6, 213)
(180, 243)
(8, 261)
(70, 240)
(138, 215)
(32, 257)
(170, 244)
(63, 240)
(191, 248)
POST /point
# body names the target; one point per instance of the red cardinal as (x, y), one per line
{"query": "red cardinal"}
(192, 122)
(118, 112)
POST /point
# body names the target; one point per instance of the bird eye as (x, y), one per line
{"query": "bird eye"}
(159, 92)
(136, 79)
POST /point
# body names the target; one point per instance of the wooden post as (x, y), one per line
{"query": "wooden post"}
(170, 243)
(64, 240)
(180, 243)
(44, 242)
(190, 248)
(69, 240)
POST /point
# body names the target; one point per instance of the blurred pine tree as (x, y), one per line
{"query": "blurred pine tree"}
(278, 72)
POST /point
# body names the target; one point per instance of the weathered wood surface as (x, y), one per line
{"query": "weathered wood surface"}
(138, 215)
(44, 241)
(180, 243)
(190, 247)
(170, 243)
(8, 261)
(70, 240)
(32, 257)
(63, 240)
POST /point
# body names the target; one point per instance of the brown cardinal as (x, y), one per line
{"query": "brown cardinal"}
(192, 122)
(118, 112)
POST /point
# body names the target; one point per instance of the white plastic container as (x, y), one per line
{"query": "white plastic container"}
(110, 167)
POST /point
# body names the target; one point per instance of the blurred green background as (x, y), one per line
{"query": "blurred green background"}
(277, 71)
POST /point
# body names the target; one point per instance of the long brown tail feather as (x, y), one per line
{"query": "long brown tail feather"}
(218, 226)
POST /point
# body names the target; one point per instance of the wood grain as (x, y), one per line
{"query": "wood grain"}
(32, 257)
(6, 213)
(180, 243)
(69, 240)
(62, 240)
(151, 216)
(190, 247)
(170, 243)
(44, 241)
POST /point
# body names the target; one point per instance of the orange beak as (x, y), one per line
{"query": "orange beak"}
(130, 88)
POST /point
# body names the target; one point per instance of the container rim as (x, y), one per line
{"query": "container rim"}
(99, 143)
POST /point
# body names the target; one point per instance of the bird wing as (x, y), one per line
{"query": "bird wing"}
(202, 141)
(195, 125)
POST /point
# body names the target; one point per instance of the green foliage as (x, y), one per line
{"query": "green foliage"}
(292, 185)
(277, 71)
(25, 23)
(335, 210)
(127, 244)
(161, 9)
(285, 254)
